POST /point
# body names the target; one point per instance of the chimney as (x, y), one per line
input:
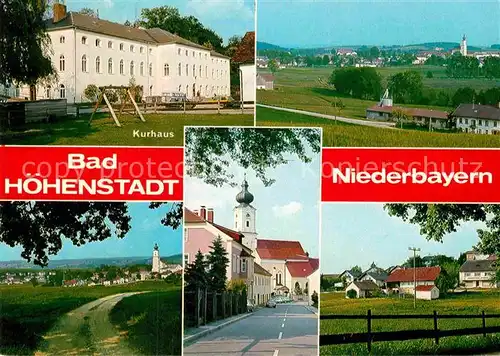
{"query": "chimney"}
(210, 215)
(203, 212)
(59, 12)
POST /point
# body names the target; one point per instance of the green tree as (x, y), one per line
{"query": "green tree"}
(419, 262)
(39, 227)
(34, 282)
(217, 261)
(24, 42)
(362, 83)
(401, 116)
(232, 45)
(351, 294)
(315, 299)
(491, 67)
(236, 285)
(406, 87)
(356, 270)
(273, 66)
(88, 11)
(448, 277)
(463, 96)
(326, 60)
(92, 92)
(438, 220)
(429, 74)
(195, 275)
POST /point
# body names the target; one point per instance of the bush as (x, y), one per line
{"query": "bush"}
(314, 298)
(91, 92)
(112, 96)
(429, 74)
(351, 294)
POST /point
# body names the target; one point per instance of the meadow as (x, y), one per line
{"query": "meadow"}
(27, 312)
(340, 134)
(104, 132)
(468, 303)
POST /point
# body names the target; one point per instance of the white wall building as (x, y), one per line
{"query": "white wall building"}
(88, 50)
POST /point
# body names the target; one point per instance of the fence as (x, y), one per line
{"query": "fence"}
(202, 306)
(369, 337)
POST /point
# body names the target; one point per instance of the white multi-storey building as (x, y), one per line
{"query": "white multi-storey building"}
(87, 50)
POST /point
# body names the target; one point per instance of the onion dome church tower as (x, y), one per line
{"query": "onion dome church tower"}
(156, 260)
(463, 46)
(244, 216)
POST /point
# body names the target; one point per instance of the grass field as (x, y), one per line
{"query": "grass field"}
(152, 322)
(104, 132)
(470, 303)
(27, 312)
(339, 134)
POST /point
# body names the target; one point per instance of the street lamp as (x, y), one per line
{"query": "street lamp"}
(414, 249)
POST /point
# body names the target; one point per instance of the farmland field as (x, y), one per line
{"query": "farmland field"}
(339, 134)
(28, 313)
(104, 132)
(469, 303)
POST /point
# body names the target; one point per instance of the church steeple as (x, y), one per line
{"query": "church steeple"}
(244, 216)
(244, 196)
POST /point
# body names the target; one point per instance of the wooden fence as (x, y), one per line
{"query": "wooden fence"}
(369, 337)
(202, 306)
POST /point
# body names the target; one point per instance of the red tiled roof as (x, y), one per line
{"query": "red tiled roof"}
(190, 217)
(280, 250)
(407, 275)
(303, 269)
(412, 111)
(233, 234)
(492, 257)
(425, 288)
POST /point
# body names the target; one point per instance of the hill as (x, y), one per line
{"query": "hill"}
(89, 262)
(262, 46)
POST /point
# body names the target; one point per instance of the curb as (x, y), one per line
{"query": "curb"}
(191, 338)
(312, 310)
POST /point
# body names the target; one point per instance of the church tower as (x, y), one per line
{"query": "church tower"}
(244, 216)
(156, 260)
(463, 46)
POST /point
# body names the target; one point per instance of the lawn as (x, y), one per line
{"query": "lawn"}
(27, 312)
(104, 132)
(469, 303)
(339, 134)
(151, 321)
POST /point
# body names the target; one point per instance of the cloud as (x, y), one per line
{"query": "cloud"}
(289, 209)
(222, 9)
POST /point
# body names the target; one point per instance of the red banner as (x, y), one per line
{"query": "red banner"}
(91, 173)
(411, 175)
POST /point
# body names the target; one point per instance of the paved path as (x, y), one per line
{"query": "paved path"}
(382, 124)
(87, 330)
(288, 329)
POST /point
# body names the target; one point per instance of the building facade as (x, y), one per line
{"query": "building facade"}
(480, 119)
(88, 50)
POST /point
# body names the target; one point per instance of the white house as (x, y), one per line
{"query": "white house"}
(262, 285)
(474, 118)
(363, 289)
(427, 292)
(478, 271)
(88, 50)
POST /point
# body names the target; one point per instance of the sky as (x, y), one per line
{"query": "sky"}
(318, 23)
(225, 17)
(146, 230)
(287, 210)
(359, 234)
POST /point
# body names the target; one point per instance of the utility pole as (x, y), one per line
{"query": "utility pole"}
(415, 250)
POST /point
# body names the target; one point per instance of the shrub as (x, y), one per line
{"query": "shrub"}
(314, 298)
(112, 96)
(91, 92)
(351, 294)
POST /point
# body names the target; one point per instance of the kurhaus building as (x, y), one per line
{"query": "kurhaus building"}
(88, 50)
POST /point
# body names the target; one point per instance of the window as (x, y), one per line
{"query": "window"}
(193, 53)
(194, 70)
(132, 68)
(62, 39)
(243, 265)
(179, 51)
(121, 46)
(185, 235)
(141, 68)
(186, 259)
(132, 48)
(110, 66)
(98, 42)
(150, 69)
(187, 53)
(62, 63)
(84, 63)
(84, 40)
(166, 70)
(200, 71)
(121, 67)
(234, 263)
(206, 56)
(200, 55)
(187, 90)
(179, 70)
(235, 224)
(141, 50)
(150, 90)
(62, 91)
(247, 223)
(47, 92)
(110, 44)
(206, 71)
(150, 51)
(98, 64)
(180, 88)
(187, 70)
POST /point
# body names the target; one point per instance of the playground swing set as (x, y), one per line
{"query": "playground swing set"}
(124, 100)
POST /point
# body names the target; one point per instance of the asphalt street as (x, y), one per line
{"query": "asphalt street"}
(288, 329)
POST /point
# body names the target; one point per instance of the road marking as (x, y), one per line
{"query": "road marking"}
(276, 352)
(284, 319)
(280, 336)
(283, 325)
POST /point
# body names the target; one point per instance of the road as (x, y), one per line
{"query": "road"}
(288, 329)
(87, 330)
(382, 124)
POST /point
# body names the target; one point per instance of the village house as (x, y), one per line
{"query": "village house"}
(363, 289)
(478, 271)
(402, 280)
(262, 284)
(349, 276)
(87, 50)
(265, 81)
(375, 274)
(475, 118)
(245, 57)
(286, 262)
(427, 292)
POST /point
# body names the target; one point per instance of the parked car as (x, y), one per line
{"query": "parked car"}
(271, 303)
(250, 306)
